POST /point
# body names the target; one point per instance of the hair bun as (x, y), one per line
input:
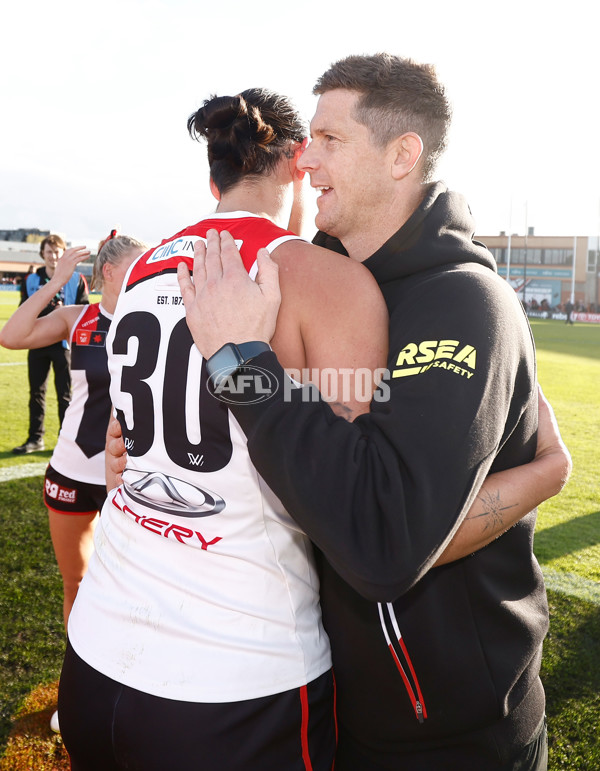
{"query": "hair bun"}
(233, 129)
(247, 134)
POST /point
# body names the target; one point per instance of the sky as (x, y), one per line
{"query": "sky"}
(95, 99)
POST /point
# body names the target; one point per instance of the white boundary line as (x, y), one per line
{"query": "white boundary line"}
(572, 585)
(23, 471)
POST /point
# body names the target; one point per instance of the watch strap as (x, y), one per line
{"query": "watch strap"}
(251, 350)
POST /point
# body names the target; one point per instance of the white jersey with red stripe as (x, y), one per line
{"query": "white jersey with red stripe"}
(202, 587)
(79, 451)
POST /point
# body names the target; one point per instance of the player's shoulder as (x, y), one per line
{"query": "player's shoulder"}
(329, 287)
(308, 262)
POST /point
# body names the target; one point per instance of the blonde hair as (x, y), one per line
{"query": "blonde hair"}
(112, 251)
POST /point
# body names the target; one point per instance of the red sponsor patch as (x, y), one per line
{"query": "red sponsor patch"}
(90, 337)
(60, 493)
(82, 336)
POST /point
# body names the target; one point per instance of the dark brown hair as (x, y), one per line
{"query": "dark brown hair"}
(246, 134)
(396, 96)
(52, 240)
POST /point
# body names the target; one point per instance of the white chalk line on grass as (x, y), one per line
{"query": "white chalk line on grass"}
(569, 584)
(572, 585)
(12, 363)
(23, 471)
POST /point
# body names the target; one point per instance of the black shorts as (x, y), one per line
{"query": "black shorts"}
(107, 726)
(68, 496)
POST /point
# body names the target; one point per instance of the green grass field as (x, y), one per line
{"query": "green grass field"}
(567, 545)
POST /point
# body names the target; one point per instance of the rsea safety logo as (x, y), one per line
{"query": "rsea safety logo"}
(451, 355)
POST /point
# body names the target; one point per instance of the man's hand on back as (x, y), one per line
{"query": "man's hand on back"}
(222, 303)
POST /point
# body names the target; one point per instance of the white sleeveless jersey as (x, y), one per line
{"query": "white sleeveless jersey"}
(79, 451)
(201, 587)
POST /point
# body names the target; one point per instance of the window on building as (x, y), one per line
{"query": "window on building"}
(558, 256)
(592, 255)
(529, 256)
(533, 256)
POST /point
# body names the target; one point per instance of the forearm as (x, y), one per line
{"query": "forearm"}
(18, 331)
(504, 498)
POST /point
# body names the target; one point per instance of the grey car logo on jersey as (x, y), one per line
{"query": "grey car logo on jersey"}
(171, 495)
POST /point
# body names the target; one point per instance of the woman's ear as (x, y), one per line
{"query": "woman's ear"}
(214, 190)
(303, 145)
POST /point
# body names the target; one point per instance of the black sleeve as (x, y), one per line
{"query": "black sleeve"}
(329, 242)
(382, 496)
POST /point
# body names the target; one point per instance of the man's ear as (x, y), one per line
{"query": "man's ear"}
(214, 190)
(406, 153)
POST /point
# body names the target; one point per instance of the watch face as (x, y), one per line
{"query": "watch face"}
(223, 364)
(233, 379)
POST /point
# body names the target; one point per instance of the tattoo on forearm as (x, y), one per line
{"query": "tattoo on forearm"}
(342, 410)
(494, 511)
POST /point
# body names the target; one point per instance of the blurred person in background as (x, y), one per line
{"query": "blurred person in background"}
(55, 356)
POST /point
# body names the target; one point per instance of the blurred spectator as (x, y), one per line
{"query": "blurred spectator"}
(39, 360)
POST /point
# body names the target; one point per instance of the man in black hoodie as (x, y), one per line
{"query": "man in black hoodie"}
(437, 668)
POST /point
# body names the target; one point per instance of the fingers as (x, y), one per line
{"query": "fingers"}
(267, 277)
(212, 260)
(65, 267)
(217, 256)
(118, 464)
(187, 289)
(199, 262)
(114, 428)
(115, 446)
(115, 451)
(76, 254)
(231, 260)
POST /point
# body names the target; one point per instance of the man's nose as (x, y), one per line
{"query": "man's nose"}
(308, 160)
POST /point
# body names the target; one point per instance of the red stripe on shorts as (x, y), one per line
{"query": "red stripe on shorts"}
(304, 728)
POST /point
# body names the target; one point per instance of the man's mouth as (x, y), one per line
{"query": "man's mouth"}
(323, 190)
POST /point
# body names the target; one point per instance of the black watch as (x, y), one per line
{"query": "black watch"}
(229, 359)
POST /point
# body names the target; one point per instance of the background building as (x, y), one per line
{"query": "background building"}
(548, 271)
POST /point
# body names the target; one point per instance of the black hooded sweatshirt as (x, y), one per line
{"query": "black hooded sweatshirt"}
(435, 667)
